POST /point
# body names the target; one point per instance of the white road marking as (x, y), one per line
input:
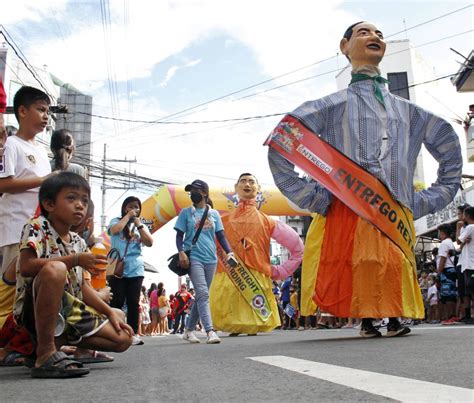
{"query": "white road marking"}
(393, 387)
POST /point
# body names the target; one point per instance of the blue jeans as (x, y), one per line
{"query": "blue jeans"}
(201, 275)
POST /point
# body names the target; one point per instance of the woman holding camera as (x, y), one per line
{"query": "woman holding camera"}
(127, 235)
(203, 259)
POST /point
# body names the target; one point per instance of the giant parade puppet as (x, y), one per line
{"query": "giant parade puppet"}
(241, 297)
(359, 148)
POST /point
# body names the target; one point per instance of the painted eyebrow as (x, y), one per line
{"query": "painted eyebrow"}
(368, 29)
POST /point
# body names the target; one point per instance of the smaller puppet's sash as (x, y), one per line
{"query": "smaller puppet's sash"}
(359, 190)
(248, 286)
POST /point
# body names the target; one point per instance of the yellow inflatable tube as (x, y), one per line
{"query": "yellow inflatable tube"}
(167, 202)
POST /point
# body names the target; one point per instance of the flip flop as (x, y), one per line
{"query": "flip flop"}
(96, 357)
(58, 366)
(11, 360)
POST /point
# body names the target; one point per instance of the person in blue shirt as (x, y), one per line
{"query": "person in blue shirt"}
(129, 229)
(203, 259)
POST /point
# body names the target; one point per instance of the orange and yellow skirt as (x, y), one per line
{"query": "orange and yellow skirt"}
(352, 270)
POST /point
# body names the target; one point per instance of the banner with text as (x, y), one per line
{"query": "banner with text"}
(365, 194)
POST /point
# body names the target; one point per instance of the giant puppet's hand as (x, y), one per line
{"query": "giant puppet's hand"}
(287, 237)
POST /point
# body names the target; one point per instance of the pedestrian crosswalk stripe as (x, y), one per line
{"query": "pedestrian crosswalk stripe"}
(393, 387)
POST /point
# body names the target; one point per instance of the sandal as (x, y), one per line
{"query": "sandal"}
(12, 359)
(58, 366)
(95, 357)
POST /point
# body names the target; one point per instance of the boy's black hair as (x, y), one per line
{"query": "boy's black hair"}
(469, 211)
(54, 184)
(27, 96)
(247, 174)
(446, 229)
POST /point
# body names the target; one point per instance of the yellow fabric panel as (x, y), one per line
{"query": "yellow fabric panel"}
(231, 313)
(411, 294)
(309, 271)
(7, 299)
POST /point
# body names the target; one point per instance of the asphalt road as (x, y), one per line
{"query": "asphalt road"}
(170, 369)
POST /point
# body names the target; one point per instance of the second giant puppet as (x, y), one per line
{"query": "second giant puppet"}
(241, 298)
(359, 260)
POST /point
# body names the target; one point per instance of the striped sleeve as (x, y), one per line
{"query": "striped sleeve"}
(442, 143)
(305, 193)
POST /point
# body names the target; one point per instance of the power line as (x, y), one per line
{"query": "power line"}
(23, 59)
(153, 122)
(158, 121)
(293, 71)
(256, 117)
(428, 21)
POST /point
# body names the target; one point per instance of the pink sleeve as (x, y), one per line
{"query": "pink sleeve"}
(288, 238)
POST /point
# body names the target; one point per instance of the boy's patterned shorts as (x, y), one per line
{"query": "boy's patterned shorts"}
(77, 320)
(74, 322)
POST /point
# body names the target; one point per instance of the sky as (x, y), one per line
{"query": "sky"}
(165, 57)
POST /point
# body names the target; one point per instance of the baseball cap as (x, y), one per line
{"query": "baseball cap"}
(197, 184)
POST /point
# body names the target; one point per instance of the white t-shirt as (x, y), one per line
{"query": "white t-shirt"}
(444, 251)
(433, 293)
(21, 159)
(467, 255)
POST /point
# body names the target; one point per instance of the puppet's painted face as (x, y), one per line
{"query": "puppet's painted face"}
(247, 187)
(366, 45)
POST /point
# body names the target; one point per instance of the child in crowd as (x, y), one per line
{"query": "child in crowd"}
(171, 313)
(164, 308)
(423, 282)
(144, 313)
(23, 168)
(433, 311)
(53, 301)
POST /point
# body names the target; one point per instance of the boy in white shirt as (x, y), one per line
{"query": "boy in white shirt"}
(467, 261)
(23, 167)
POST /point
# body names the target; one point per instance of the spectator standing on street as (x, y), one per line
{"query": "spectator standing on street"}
(203, 260)
(447, 274)
(155, 314)
(182, 301)
(144, 313)
(24, 167)
(164, 308)
(467, 263)
(285, 300)
(171, 314)
(433, 298)
(124, 231)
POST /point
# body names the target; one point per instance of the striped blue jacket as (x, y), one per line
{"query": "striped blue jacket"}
(383, 140)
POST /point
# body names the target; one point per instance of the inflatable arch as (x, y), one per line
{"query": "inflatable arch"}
(167, 202)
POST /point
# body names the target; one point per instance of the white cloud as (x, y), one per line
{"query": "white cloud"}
(169, 75)
(29, 10)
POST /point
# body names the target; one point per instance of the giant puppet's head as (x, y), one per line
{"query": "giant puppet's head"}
(363, 44)
(247, 187)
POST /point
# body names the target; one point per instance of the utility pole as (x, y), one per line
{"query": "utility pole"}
(103, 217)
